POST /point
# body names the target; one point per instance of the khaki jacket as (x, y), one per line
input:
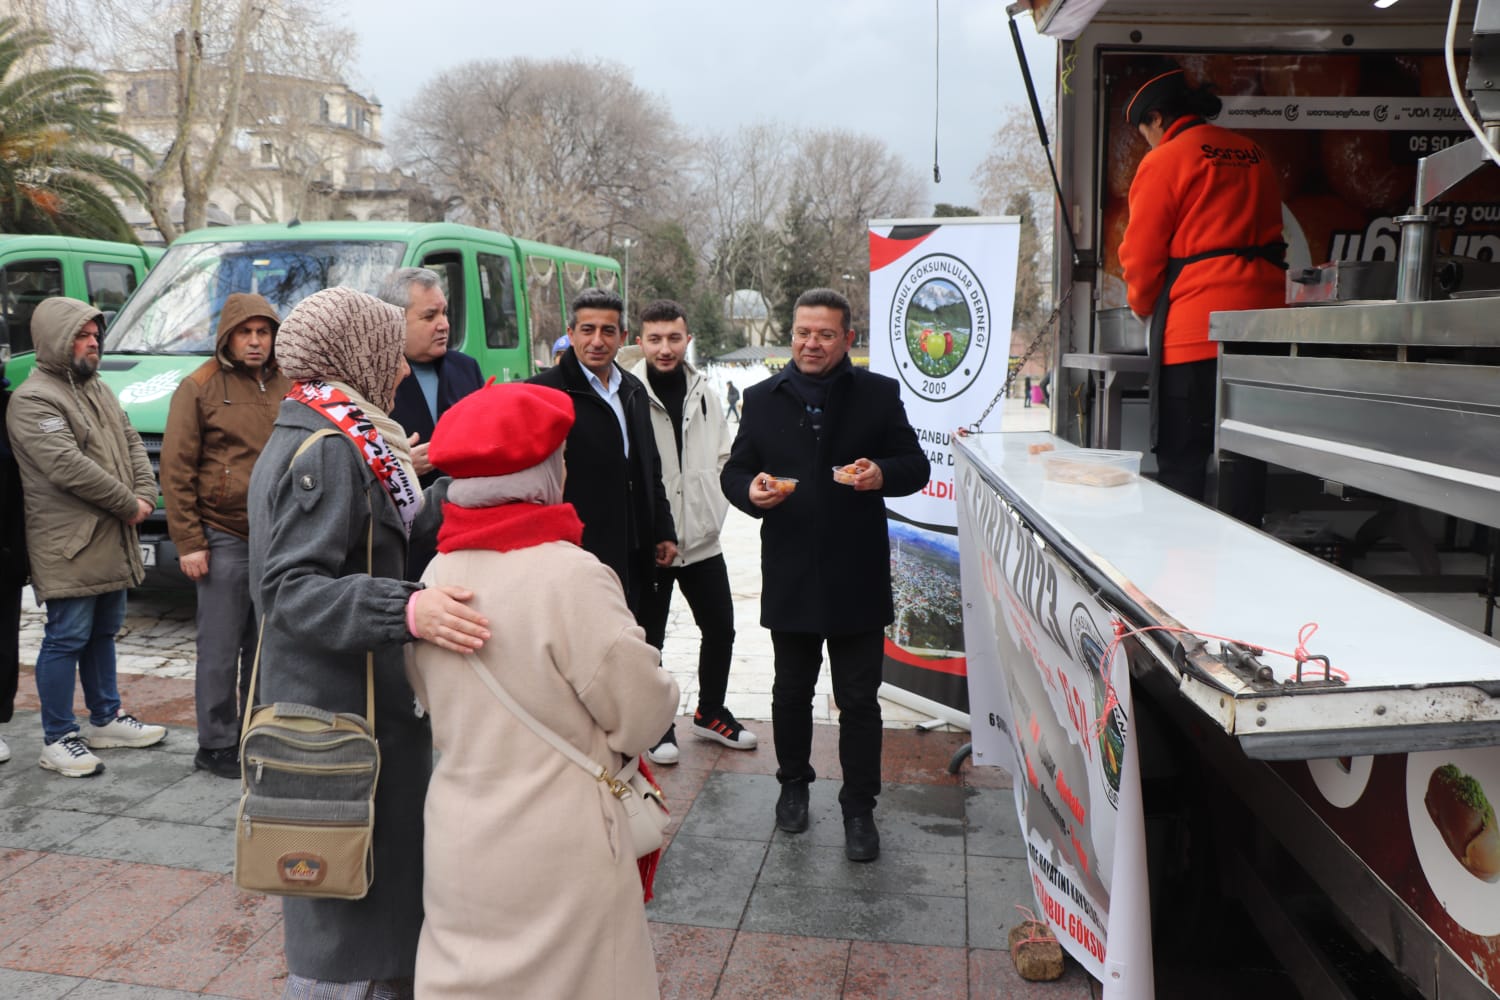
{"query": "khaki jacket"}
(82, 467)
(692, 482)
(220, 418)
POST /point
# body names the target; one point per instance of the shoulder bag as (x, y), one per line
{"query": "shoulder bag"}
(306, 819)
(645, 806)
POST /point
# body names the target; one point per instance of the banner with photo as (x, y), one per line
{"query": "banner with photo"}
(1045, 708)
(942, 294)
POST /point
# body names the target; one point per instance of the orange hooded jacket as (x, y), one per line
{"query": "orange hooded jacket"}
(1202, 188)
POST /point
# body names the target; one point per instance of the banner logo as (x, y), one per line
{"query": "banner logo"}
(940, 327)
(1110, 731)
(154, 387)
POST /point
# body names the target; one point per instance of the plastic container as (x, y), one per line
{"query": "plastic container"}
(782, 484)
(845, 474)
(1092, 466)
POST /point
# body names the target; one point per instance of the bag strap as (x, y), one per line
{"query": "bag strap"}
(618, 783)
(260, 637)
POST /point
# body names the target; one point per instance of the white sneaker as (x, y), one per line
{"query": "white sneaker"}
(4, 750)
(123, 731)
(70, 758)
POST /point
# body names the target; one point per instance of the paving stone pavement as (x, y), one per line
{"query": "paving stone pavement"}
(118, 887)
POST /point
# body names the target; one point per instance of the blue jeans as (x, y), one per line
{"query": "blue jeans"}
(79, 637)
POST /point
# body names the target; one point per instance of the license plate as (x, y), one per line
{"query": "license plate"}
(148, 554)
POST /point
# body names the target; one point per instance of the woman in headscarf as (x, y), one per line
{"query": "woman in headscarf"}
(323, 606)
(532, 886)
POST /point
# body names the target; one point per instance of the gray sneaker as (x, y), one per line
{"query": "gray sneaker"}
(70, 758)
(124, 730)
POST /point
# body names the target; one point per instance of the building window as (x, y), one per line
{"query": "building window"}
(267, 152)
(323, 109)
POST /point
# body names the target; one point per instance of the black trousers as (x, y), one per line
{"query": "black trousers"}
(1185, 432)
(856, 662)
(705, 587)
(10, 653)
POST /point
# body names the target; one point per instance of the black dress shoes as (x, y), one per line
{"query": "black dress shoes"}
(861, 839)
(791, 807)
(223, 762)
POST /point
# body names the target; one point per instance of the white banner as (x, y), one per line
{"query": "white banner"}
(1322, 114)
(1042, 707)
(942, 297)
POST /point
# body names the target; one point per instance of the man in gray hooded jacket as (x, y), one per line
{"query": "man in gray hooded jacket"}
(87, 484)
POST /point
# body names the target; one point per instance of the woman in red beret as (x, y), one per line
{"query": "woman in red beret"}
(532, 888)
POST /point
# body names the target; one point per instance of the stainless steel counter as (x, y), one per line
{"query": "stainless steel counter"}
(1400, 399)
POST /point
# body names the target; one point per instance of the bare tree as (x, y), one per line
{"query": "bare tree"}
(840, 181)
(1014, 180)
(201, 121)
(742, 188)
(563, 150)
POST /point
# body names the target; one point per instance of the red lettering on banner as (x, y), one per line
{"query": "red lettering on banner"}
(1031, 773)
(1077, 714)
(1079, 931)
(942, 490)
(1050, 907)
(1036, 729)
(1070, 800)
(1083, 858)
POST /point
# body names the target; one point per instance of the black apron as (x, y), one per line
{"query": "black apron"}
(1273, 253)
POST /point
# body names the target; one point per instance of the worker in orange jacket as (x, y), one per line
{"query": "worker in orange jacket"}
(1204, 235)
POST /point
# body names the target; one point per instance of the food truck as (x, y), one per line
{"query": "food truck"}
(1286, 734)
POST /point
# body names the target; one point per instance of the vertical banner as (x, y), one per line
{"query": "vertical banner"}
(942, 294)
(1047, 708)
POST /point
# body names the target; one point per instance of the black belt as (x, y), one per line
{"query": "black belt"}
(1271, 253)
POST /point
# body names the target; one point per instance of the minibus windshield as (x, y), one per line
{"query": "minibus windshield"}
(176, 310)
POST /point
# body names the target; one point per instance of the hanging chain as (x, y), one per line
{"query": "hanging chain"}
(1011, 373)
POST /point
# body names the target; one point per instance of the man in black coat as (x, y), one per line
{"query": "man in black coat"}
(13, 568)
(439, 377)
(825, 553)
(613, 471)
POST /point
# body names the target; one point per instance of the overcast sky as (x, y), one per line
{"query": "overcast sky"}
(865, 65)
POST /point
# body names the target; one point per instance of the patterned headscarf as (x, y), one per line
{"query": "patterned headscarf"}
(342, 335)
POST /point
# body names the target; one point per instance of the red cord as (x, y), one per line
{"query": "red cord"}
(1300, 655)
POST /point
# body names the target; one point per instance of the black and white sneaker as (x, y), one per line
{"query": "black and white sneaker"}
(666, 751)
(724, 728)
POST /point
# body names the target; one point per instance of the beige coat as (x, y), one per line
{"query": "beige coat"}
(531, 886)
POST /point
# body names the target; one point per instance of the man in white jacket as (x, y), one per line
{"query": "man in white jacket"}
(693, 439)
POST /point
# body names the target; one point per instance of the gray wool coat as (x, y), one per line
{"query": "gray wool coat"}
(322, 610)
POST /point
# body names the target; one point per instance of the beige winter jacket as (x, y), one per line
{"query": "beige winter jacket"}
(220, 419)
(82, 466)
(531, 885)
(692, 482)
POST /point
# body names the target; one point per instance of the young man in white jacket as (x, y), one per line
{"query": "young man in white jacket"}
(693, 439)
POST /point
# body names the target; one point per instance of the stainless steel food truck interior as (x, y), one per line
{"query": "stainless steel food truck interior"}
(1373, 397)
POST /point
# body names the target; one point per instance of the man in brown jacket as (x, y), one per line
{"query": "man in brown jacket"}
(87, 484)
(220, 419)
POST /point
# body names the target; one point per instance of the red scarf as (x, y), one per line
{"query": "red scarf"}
(508, 527)
(376, 451)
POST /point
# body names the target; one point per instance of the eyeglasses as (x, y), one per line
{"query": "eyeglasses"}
(827, 337)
